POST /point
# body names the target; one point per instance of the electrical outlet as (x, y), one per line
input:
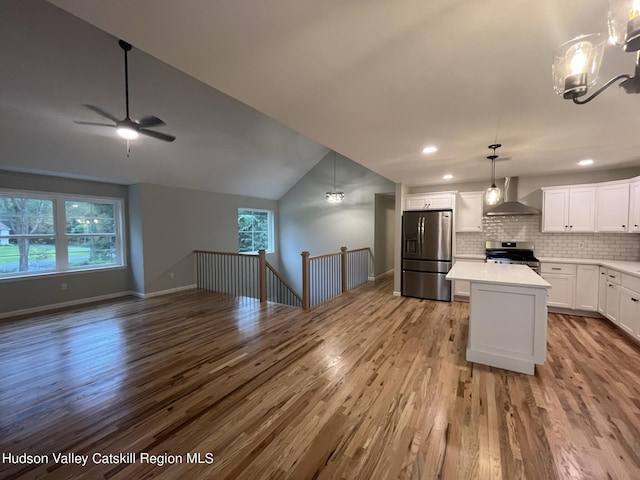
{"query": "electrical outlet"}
(63, 286)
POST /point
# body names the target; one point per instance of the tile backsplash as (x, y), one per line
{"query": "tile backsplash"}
(605, 246)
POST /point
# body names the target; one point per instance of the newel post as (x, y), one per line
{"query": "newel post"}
(343, 251)
(262, 274)
(306, 293)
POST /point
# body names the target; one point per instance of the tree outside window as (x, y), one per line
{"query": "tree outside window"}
(53, 232)
(255, 230)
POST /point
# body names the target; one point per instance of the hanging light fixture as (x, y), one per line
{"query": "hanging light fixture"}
(334, 196)
(576, 63)
(492, 195)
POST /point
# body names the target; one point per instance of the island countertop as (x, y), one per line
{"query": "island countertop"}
(497, 273)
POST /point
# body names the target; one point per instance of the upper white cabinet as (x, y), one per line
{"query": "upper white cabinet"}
(568, 209)
(469, 211)
(634, 207)
(429, 201)
(612, 208)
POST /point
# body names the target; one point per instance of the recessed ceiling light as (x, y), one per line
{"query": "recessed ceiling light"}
(430, 149)
(448, 176)
(584, 163)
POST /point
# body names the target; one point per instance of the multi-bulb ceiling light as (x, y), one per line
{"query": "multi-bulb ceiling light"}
(492, 195)
(334, 196)
(576, 63)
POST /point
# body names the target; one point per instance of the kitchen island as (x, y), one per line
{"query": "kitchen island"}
(507, 315)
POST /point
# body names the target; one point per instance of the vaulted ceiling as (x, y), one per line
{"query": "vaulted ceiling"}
(374, 80)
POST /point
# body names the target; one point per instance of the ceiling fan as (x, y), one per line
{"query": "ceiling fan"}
(127, 128)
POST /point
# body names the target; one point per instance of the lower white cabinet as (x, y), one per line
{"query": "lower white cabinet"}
(562, 278)
(602, 290)
(630, 311)
(612, 303)
(462, 288)
(587, 279)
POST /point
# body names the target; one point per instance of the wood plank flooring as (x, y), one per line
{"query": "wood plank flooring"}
(366, 386)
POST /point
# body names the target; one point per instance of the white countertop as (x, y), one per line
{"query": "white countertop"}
(630, 268)
(496, 273)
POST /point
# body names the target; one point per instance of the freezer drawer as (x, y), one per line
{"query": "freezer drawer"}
(431, 286)
(426, 266)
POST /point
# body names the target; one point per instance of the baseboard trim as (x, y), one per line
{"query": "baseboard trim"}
(164, 292)
(71, 303)
(397, 294)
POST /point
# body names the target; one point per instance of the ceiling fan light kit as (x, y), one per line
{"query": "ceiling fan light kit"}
(576, 63)
(127, 128)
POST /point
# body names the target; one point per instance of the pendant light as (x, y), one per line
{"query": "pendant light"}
(576, 63)
(492, 195)
(334, 196)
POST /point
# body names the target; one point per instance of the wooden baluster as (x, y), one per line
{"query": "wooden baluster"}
(262, 274)
(343, 250)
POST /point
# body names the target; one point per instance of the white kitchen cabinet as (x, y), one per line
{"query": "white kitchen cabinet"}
(634, 207)
(469, 211)
(612, 306)
(612, 208)
(630, 311)
(562, 278)
(462, 288)
(429, 201)
(568, 209)
(587, 285)
(602, 290)
(612, 302)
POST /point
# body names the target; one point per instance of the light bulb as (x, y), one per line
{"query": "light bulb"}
(492, 196)
(578, 58)
(128, 133)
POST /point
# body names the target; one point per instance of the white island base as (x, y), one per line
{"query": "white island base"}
(507, 315)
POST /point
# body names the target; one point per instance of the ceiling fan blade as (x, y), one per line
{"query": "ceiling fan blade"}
(158, 135)
(101, 112)
(94, 123)
(150, 121)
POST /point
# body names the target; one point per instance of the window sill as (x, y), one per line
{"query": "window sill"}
(40, 275)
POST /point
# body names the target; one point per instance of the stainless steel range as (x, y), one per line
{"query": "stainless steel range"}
(512, 252)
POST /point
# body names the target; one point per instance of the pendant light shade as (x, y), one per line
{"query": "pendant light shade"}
(334, 196)
(492, 195)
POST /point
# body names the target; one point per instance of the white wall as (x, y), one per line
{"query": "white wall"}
(309, 223)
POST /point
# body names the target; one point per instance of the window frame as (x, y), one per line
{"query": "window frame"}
(270, 221)
(61, 237)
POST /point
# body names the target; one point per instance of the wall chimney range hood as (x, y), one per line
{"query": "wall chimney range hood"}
(511, 205)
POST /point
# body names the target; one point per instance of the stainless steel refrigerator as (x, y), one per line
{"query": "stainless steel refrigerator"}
(427, 253)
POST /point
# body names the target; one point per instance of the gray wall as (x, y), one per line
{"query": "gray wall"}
(34, 292)
(385, 226)
(309, 223)
(169, 223)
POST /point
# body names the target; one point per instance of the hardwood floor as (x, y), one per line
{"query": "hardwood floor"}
(366, 386)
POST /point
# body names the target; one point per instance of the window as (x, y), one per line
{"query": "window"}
(255, 230)
(53, 233)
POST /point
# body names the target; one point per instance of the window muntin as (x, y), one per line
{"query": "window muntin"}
(54, 232)
(255, 230)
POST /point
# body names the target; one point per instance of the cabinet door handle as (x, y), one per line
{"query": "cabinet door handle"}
(634, 299)
(570, 226)
(612, 276)
(624, 226)
(610, 285)
(556, 268)
(602, 273)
